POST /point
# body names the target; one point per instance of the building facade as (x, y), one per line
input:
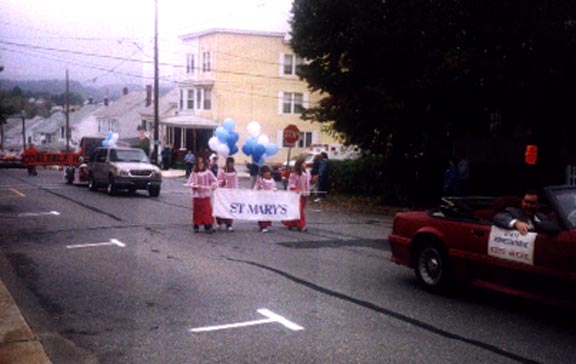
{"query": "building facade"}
(243, 75)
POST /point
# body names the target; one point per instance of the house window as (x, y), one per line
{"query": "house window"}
(190, 100)
(305, 140)
(62, 132)
(190, 66)
(207, 99)
(204, 98)
(206, 62)
(292, 103)
(291, 64)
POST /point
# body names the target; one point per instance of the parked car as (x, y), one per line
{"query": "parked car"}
(123, 168)
(456, 243)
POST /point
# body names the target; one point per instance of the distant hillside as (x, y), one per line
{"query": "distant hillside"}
(56, 87)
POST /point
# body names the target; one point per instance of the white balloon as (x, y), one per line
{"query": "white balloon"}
(113, 140)
(263, 139)
(254, 128)
(223, 150)
(214, 143)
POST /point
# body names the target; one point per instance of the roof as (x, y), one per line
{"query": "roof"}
(132, 101)
(52, 124)
(232, 31)
(189, 120)
(165, 104)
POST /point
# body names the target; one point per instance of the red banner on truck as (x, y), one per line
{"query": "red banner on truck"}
(30, 159)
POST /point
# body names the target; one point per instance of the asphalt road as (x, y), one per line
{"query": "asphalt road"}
(124, 279)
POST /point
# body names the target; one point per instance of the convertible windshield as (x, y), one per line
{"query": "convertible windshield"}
(566, 200)
(119, 155)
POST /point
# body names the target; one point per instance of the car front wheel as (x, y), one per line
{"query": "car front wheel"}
(154, 191)
(111, 188)
(432, 268)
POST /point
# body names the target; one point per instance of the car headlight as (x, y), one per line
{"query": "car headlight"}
(123, 172)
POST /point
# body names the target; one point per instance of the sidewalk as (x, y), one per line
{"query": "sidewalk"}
(18, 345)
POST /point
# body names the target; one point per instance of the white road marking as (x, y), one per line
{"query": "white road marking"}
(271, 318)
(111, 242)
(28, 214)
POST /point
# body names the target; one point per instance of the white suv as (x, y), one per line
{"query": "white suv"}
(123, 168)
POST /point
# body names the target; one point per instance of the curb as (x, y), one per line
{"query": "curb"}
(18, 345)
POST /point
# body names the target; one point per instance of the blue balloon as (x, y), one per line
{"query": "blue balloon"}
(258, 161)
(259, 149)
(106, 143)
(233, 150)
(251, 141)
(228, 124)
(258, 152)
(221, 134)
(271, 149)
(233, 137)
(247, 149)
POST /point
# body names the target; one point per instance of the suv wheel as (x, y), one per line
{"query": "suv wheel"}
(111, 188)
(92, 183)
(154, 191)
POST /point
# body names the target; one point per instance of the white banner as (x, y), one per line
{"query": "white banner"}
(511, 245)
(231, 203)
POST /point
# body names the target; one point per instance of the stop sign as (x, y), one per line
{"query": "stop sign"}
(291, 134)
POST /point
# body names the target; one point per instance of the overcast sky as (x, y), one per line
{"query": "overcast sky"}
(108, 41)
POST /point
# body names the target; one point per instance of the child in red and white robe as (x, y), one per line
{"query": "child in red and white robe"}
(299, 181)
(265, 182)
(227, 178)
(202, 181)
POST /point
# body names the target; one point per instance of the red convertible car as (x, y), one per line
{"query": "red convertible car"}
(457, 243)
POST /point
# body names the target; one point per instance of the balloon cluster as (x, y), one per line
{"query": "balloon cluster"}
(258, 145)
(110, 140)
(224, 140)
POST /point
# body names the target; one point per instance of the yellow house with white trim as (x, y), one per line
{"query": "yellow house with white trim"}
(243, 75)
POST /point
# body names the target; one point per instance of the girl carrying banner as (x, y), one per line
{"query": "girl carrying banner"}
(227, 178)
(265, 182)
(299, 181)
(202, 181)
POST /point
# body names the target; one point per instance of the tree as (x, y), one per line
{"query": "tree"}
(399, 72)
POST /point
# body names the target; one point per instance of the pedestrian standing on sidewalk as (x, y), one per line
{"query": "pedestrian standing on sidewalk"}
(202, 181)
(227, 178)
(299, 181)
(265, 182)
(323, 181)
(189, 161)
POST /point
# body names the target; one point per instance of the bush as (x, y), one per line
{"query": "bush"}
(385, 180)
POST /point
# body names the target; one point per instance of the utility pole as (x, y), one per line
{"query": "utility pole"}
(23, 114)
(67, 113)
(156, 92)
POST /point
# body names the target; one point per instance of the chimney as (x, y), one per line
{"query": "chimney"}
(125, 91)
(148, 95)
(106, 97)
